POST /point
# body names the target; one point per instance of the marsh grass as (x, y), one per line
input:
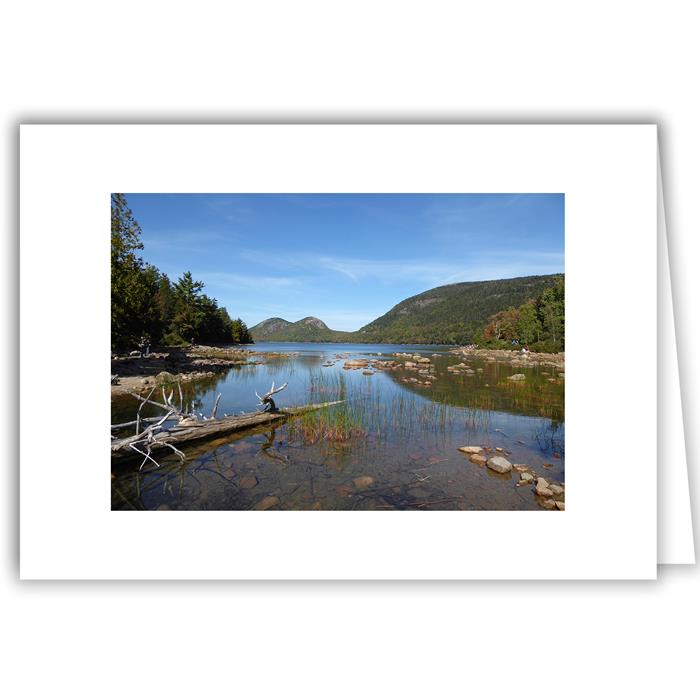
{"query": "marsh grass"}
(368, 412)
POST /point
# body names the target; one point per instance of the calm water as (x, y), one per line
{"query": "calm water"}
(408, 448)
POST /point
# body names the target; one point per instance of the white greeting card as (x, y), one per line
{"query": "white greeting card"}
(471, 232)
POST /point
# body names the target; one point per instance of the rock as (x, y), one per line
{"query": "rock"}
(556, 490)
(145, 382)
(478, 459)
(164, 378)
(499, 464)
(267, 503)
(355, 363)
(362, 482)
(316, 506)
(542, 488)
(134, 353)
(549, 504)
(520, 467)
(424, 360)
(409, 365)
(368, 373)
(559, 504)
(249, 482)
(516, 377)
(499, 449)
(527, 478)
(471, 450)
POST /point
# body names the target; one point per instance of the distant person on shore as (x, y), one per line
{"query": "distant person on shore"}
(142, 345)
(525, 350)
(148, 346)
(192, 341)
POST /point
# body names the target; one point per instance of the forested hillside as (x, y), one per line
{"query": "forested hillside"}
(452, 314)
(146, 303)
(493, 313)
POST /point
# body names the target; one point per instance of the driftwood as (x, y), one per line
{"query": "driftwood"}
(266, 400)
(178, 434)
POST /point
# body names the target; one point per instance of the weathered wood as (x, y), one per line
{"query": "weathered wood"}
(210, 428)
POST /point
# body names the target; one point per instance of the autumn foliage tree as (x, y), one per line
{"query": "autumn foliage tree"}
(538, 322)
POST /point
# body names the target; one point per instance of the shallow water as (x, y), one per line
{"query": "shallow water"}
(408, 448)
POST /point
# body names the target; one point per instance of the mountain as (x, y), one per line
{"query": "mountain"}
(451, 314)
(307, 330)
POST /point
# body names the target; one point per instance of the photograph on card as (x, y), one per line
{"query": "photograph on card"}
(337, 351)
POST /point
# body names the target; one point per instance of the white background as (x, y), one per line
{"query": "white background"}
(603, 61)
(610, 210)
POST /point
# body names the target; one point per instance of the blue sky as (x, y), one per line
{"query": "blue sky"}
(345, 258)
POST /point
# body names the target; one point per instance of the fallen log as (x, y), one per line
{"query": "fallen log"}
(178, 435)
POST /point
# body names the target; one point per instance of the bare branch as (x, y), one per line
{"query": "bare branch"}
(216, 405)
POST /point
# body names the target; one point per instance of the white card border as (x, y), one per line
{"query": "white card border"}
(608, 174)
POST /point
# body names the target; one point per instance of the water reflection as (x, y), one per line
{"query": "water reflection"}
(407, 457)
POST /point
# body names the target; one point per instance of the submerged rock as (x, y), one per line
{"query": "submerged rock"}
(499, 464)
(362, 482)
(267, 503)
(249, 482)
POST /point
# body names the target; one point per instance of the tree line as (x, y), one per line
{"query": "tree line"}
(538, 323)
(146, 303)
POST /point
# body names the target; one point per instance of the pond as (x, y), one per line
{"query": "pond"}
(392, 444)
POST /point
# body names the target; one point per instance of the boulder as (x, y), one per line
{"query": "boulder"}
(165, 378)
(542, 488)
(471, 450)
(499, 464)
(478, 459)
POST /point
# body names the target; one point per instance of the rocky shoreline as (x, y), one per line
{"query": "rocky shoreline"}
(517, 358)
(167, 365)
(549, 494)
